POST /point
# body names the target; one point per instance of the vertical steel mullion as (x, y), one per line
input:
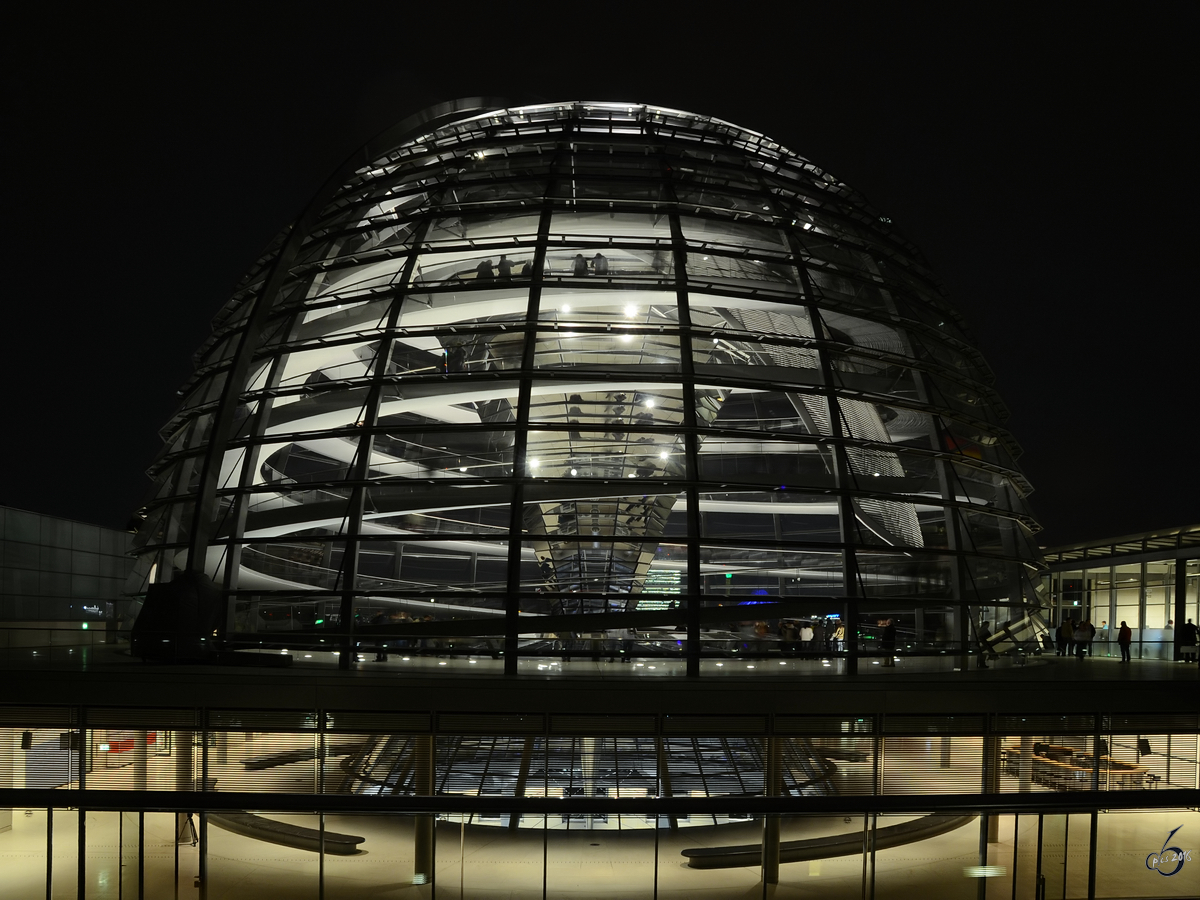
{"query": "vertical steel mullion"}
(361, 463)
(321, 857)
(49, 852)
(141, 854)
(253, 450)
(691, 439)
(843, 476)
(516, 521)
(202, 867)
(845, 481)
(81, 850)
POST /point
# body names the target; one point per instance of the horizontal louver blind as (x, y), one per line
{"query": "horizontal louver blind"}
(917, 725)
(39, 757)
(1153, 724)
(262, 720)
(714, 725)
(490, 723)
(386, 722)
(602, 725)
(951, 764)
(170, 719)
(818, 725)
(1036, 724)
(271, 762)
(49, 716)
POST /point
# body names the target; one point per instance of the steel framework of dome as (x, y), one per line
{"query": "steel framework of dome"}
(515, 366)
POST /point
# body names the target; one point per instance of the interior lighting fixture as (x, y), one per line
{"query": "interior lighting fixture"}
(462, 468)
(471, 661)
(663, 455)
(566, 307)
(442, 663)
(720, 664)
(534, 463)
(650, 403)
(574, 471)
(631, 311)
(626, 338)
(749, 665)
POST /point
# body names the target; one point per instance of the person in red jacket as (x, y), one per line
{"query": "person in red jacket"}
(1124, 639)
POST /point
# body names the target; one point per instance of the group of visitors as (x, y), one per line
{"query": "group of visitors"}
(1076, 637)
(810, 636)
(1080, 637)
(399, 617)
(503, 270)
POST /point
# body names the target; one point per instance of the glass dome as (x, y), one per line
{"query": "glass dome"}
(527, 365)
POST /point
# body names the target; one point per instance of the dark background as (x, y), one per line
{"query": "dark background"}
(1046, 167)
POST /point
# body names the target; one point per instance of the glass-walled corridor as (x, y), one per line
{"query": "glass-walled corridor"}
(71, 853)
(1150, 582)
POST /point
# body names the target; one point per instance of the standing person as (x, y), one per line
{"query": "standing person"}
(483, 271)
(1083, 639)
(818, 637)
(888, 642)
(580, 265)
(1187, 640)
(504, 268)
(985, 635)
(789, 634)
(1124, 639)
(1060, 640)
(1168, 641)
(839, 637)
(599, 264)
(1102, 635)
(806, 636)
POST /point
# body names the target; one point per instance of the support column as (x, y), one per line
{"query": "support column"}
(140, 760)
(514, 818)
(772, 787)
(423, 834)
(991, 782)
(1025, 770)
(664, 780)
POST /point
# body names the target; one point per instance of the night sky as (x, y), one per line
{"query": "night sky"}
(1046, 167)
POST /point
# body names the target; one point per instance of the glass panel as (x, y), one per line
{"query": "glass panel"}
(613, 858)
(23, 847)
(66, 862)
(816, 870)
(631, 225)
(102, 856)
(383, 860)
(623, 309)
(726, 458)
(635, 350)
(282, 862)
(606, 264)
(926, 866)
(160, 857)
(131, 831)
(469, 266)
(1147, 853)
